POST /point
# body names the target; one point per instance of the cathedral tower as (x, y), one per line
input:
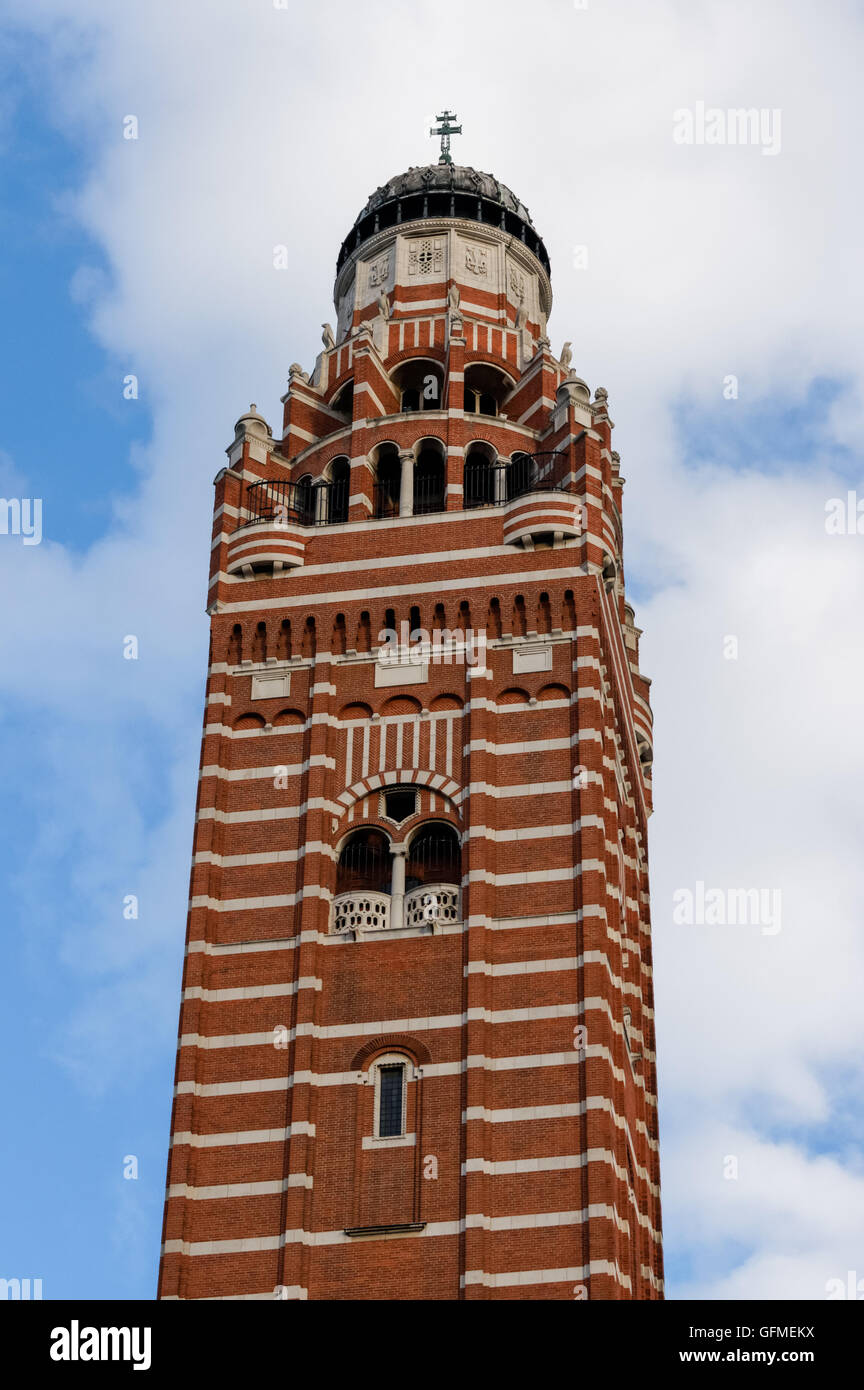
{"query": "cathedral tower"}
(416, 1052)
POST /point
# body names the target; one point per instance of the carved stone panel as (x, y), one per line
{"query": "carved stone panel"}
(426, 256)
(477, 259)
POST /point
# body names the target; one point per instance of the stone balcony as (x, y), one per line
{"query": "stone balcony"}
(369, 912)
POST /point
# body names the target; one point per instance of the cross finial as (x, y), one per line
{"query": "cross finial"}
(445, 130)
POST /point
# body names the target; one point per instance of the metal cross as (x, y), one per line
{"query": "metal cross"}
(445, 130)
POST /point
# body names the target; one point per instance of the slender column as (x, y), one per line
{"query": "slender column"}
(397, 888)
(500, 478)
(406, 483)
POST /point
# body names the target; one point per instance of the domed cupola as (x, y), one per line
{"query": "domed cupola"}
(442, 229)
(444, 190)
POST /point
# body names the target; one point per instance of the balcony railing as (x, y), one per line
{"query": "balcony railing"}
(366, 910)
(303, 504)
(363, 910)
(429, 493)
(494, 484)
(434, 904)
(385, 500)
(485, 485)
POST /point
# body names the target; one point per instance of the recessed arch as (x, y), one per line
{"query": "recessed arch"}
(249, 721)
(289, 718)
(400, 704)
(513, 695)
(553, 691)
(442, 702)
(355, 710)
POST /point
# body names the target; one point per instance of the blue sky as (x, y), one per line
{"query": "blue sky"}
(74, 1222)
(155, 257)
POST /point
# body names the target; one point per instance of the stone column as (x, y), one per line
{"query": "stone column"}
(397, 888)
(406, 488)
(500, 478)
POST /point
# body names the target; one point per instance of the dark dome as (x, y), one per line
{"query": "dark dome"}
(444, 190)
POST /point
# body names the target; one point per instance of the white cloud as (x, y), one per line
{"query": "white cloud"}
(260, 126)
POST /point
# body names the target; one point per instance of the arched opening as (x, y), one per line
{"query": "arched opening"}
(304, 500)
(388, 475)
(478, 479)
(420, 385)
(364, 863)
(429, 480)
(486, 389)
(434, 856)
(343, 401)
(340, 482)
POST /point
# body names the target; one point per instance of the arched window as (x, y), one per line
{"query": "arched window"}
(434, 856)
(486, 389)
(388, 476)
(478, 481)
(364, 863)
(344, 401)
(420, 383)
(429, 481)
(340, 481)
(304, 500)
(391, 1094)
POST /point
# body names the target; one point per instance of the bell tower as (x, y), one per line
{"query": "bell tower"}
(416, 1049)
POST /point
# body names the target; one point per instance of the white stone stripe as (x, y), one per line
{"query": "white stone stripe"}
(554, 1163)
(248, 1136)
(237, 1189)
(297, 1236)
(312, 890)
(534, 745)
(521, 789)
(315, 803)
(329, 1032)
(251, 774)
(572, 1274)
(571, 871)
(432, 586)
(221, 996)
(534, 832)
(277, 856)
(570, 1058)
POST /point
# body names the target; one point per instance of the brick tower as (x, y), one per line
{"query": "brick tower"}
(416, 1039)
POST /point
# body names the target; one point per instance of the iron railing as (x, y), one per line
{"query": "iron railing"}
(429, 493)
(304, 503)
(364, 864)
(385, 499)
(485, 485)
(492, 484)
(433, 859)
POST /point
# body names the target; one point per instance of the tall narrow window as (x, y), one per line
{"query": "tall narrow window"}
(391, 1101)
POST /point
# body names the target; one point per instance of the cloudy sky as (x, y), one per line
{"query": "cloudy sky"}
(712, 288)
